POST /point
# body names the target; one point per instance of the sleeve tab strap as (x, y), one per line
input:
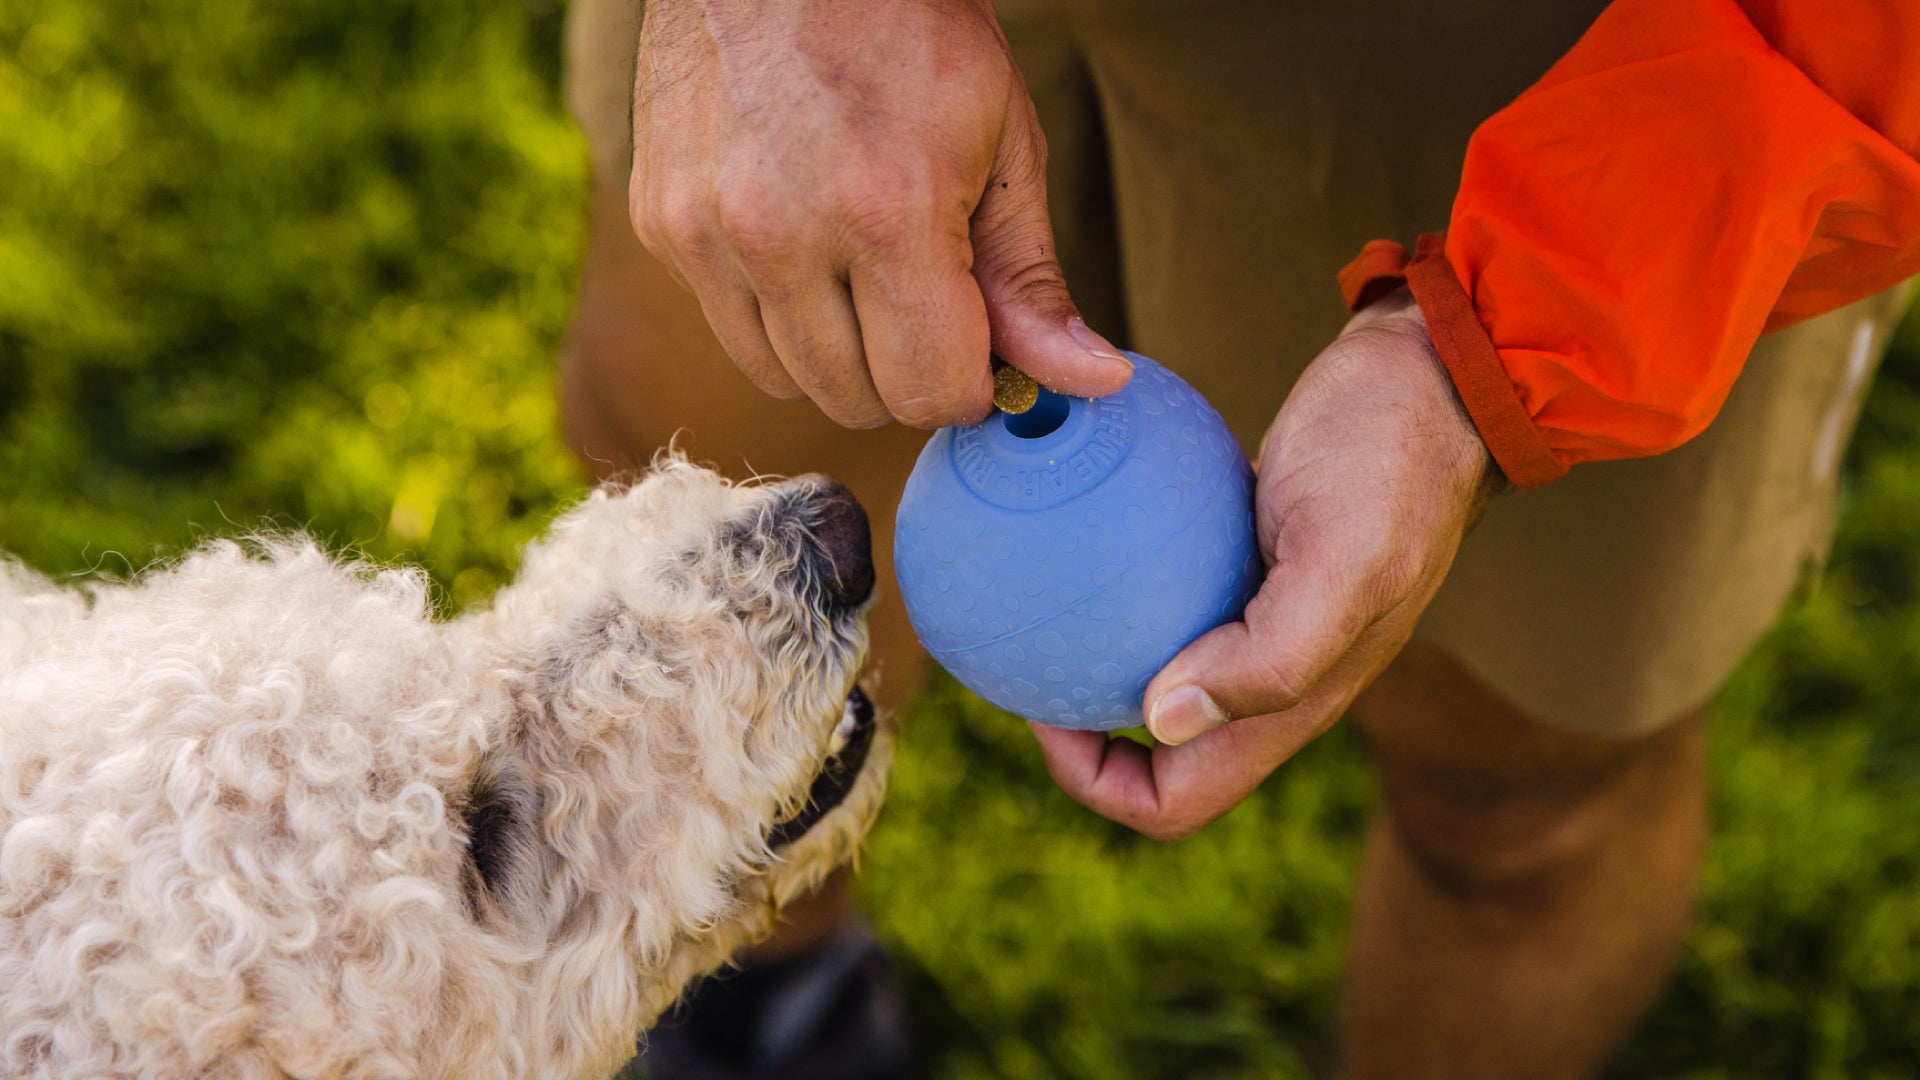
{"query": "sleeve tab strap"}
(1464, 348)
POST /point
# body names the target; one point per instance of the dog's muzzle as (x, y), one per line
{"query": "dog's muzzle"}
(844, 542)
(852, 739)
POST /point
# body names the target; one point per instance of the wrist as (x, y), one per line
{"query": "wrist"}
(1463, 456)
(1465, 347)
(1483, 470)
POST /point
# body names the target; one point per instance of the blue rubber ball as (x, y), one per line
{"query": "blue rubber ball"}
(1055, 560)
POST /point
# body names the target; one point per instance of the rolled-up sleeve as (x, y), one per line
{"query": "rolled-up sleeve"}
(1691, 175)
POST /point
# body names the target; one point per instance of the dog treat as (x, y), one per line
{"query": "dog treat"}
(1014, 391)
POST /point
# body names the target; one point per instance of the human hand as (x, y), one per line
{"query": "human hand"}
(1366, 482)
(856, 193)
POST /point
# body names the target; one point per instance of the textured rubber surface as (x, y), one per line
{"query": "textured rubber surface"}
(1055, 574)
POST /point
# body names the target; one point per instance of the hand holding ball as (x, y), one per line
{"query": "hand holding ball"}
(1054, 560)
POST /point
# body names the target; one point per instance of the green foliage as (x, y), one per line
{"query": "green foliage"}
(298, 262)
(1805, 960)
(307, 262)
(1045, 942)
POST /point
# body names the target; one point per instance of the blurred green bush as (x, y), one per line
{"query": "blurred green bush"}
(297, 262)
(306, 263)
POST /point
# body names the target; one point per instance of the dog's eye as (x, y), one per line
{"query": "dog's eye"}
(768, 541)
(734, 549)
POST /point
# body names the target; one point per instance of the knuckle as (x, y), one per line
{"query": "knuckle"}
(858, 415)
(1040, 152)
(758, 364)
(1169, 831)
(774, 384)
(673, 221)
(879, 211)
(777, 386)
(754, 223)
(1284, 684)
(922, 414)
(1281, 672)
(640, 193)
(1035, 284)
(933, 409)
(1021, 156)
(1394, 573)
(647, 227)
(1179, 816)
(641, 218)
(838, 388)
(1030, 152)
(1399, 574)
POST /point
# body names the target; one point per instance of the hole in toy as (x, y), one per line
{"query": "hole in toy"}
(1045, 418)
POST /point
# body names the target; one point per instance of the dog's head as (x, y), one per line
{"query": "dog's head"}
(689, 748)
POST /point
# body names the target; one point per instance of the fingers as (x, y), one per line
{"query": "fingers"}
(1035, 325)
(1112, 777)
(734, 314)
(679, 227)
(924, 328)
(837, 225)
(902, 336)
(1244, 697)
(1169, 792)
(1364, 493)
(733, 310)
(875, 322)
(1304, 619)
(874, 282)
(811, 324)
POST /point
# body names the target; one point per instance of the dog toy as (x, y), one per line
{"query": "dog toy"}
(1055, 559)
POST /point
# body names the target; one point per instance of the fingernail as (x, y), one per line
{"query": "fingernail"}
(1182, 713)
(1093, 343)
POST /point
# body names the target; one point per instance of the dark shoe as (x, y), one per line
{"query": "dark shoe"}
(835, 1014)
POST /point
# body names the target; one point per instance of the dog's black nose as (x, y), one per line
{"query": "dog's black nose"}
(846, 542)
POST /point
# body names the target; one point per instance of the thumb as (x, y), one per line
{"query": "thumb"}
(1034, 323)
(1293, 633)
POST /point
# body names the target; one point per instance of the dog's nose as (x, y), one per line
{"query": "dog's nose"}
(846, 541)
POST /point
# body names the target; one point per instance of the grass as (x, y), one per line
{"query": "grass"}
(307, 262)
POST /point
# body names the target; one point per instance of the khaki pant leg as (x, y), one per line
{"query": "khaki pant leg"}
(1257, 146)
(1623, 595)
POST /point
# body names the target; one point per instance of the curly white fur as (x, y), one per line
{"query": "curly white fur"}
(237, 797)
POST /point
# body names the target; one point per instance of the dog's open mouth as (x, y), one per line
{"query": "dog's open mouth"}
(851, 739)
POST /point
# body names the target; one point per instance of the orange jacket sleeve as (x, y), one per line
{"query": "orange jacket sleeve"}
(1692, 174)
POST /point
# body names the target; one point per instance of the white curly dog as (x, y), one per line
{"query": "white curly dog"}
(261, 816)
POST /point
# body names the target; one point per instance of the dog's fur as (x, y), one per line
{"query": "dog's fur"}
(261, 816)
